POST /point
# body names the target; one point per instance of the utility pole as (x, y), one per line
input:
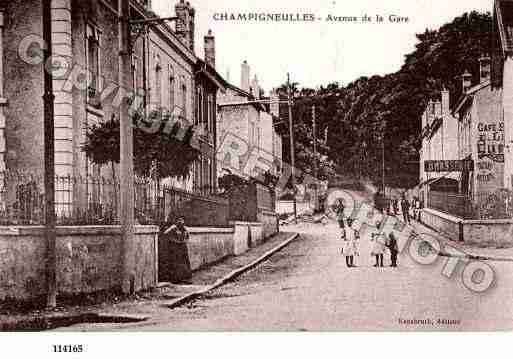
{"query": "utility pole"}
(383, 162)
(316, 193)
(49, 164)
(292, 154)
(126, 210)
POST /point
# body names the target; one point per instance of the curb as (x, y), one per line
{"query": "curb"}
(454, 244)
(476, 258)
(43, 323)
(230, 276)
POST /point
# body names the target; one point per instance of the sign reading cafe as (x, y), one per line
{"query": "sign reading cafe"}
(491, 141)
(449, 166)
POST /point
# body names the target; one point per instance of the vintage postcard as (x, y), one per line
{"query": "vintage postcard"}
(177, 166)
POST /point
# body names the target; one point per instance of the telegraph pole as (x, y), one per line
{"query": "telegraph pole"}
(316, 193)
(49, 164)
(292, 154)
(126, 210)
(383, 162)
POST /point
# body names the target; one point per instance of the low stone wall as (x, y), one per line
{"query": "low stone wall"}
(488, 232)
(241, 238)
(249, 235)
(443, 223)
(88, 260)
(480, 232)
(89, 257)
(269, 221)
(257, 234)
(287, 207)
(209, 245)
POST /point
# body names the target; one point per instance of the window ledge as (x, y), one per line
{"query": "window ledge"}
(3, 101)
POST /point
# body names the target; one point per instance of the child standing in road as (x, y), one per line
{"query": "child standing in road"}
(350, 248)
(378, 246)
(393, 247)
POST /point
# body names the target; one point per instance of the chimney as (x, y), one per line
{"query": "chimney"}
(437, 110)
(244, 76)
(430, 112)
(485, 68)
(466, 81)
(210, 49)
(446, 102)
(185, 24)
(255, 88)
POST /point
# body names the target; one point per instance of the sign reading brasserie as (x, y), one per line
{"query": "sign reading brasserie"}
(449, 166)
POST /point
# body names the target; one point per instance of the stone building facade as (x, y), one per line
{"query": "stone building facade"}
(502, 77)
(85, 68)
(473, 129)
(481, 129)
(245, 114)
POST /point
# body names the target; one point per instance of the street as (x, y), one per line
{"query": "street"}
(307, 287)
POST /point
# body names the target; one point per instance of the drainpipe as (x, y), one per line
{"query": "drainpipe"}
(49, 152)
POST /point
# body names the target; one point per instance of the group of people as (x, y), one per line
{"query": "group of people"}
(380, 241)
(409, 209)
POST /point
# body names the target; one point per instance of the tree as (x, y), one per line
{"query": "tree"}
(377, 109)
(158, 155)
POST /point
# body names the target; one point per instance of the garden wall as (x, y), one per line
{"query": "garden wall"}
(88, 260)
(492, 233)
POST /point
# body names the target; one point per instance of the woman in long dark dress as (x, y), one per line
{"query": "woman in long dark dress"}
(176, 266)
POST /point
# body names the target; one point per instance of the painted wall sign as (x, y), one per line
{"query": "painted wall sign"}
(490, 143)
(449, 166)
(485, 170)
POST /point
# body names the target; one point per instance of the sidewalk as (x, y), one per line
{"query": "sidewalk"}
(148, 305)
(473, 251)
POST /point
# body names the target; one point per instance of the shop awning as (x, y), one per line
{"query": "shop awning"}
(451, 175)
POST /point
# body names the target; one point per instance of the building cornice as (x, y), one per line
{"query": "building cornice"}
(165, 32)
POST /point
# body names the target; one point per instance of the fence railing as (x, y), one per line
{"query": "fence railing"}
(454, 204)
(95, 201)
(484, 205)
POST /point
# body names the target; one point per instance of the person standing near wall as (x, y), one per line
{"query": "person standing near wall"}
(340, 208)
(393, 247)
(378, 201)
(405, 208)
(177, 263)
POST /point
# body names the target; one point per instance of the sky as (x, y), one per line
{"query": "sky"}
(321, 52)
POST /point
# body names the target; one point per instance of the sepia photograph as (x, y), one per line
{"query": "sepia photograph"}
(255, 166)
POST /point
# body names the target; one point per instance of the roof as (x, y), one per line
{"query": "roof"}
(252, 101)
(211, 74)
(467, 95)
(448, 176)
(503, 13)
(240, 91)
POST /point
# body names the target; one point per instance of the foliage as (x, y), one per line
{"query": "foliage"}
(229, 181)
(155, 154)
(372, 112)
